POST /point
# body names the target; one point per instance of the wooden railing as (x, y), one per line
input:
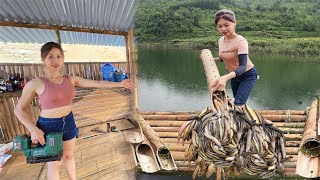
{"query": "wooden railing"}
(11, 127)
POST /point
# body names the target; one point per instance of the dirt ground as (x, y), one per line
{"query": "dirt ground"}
(30, 53)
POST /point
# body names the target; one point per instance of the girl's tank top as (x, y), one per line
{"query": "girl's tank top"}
(57, 95)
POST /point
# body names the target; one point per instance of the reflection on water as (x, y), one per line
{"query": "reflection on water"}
(174, 80)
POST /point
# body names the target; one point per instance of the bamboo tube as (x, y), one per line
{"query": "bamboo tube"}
(292, 130)
(211, 69)
(177, 147)
(168, 117)
(134, 136)
(262, 112)
(308, 158)
(146, 157)
(166, 162)
(167, 134)
(289, 137)
(174, 123)
(165, 129)
(146, 113)
(289, 124)
(165, 123)
(294, 118)
(212, 74)
(281, 112)
(175, 140)
(293, 137)
(274, 118)
(286, 130)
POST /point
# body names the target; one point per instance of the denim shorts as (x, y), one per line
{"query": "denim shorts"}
(65, 124)
(242, 86)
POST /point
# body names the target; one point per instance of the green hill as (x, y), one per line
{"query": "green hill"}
(271, 26)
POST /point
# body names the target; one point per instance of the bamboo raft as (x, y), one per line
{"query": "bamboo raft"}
(167, 124)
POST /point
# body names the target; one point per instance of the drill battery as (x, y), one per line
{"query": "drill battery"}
(52, 151)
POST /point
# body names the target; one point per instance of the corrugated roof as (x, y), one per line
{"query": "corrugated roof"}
(114, 15)
(22, 35)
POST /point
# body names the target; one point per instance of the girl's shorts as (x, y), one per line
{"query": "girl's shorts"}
(65, 124)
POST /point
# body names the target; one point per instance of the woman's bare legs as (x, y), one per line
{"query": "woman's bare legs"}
(53, 170)
(68, 161)
(68, 158)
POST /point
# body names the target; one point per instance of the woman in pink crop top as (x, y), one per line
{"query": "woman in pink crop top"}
(233, 51)
(56, 91)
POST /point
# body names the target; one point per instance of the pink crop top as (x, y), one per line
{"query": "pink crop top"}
(57, 95)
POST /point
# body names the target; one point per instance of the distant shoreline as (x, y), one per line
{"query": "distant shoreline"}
(290, 46)
(30, 53)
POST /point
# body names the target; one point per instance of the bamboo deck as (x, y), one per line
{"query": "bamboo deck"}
(98, 154)
(167, 124)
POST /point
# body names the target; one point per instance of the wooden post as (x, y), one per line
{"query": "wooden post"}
(133, 70)
(58, 37)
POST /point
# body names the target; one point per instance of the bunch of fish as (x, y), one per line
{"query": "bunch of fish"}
(228, 138)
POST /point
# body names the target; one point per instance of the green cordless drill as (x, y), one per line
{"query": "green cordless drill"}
(52, 151)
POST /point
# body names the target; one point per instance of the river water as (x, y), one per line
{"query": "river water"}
(174, 80)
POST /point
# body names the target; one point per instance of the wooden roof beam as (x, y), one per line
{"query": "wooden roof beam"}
(63, 28)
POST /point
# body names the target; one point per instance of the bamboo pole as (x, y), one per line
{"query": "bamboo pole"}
(58, 37)
(308, 158)
(281, 112)
(262, 112)
(274, 118)
(177, 123)
(133, 70)
(169, 117)
(295, 118)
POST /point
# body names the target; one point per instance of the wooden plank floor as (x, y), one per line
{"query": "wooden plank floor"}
(98, 155)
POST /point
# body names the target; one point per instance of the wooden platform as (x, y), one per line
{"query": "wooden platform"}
(98, 154)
